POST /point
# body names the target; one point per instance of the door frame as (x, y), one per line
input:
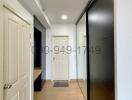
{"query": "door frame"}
(1, 50)
(52, 79)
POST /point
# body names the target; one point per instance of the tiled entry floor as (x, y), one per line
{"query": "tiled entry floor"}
(61, 93)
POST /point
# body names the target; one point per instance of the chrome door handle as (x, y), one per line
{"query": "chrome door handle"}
(7, 86)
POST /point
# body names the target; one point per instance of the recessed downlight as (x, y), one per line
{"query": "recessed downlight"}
(64, 17)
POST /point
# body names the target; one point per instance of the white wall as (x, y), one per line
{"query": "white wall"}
(123, 49)
(61, 30)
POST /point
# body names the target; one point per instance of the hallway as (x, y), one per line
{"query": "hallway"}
(65, 50)
(66, 93)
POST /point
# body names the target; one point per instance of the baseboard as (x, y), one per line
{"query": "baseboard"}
(48, 81)
(73, 80)
(80, 80)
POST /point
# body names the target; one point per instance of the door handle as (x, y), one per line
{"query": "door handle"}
(7, 86)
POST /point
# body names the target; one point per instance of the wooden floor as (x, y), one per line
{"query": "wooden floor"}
(83, 87)
(49, 92)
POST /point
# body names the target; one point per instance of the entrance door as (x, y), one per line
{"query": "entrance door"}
(60, 58)
(16, 58)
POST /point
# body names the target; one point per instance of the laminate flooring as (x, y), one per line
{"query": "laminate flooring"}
(49, 92)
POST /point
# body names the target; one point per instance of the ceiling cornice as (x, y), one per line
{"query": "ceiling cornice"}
(34, 7)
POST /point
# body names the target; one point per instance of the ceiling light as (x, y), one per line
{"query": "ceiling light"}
(64, 17)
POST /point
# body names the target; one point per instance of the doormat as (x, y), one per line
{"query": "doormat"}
(61, 84)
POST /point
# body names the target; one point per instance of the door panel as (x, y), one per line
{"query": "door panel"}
(25, 51)
(60, 59)
(16, 58)
(101, 57)
(15, 97)
(24, 92)
(13, 51)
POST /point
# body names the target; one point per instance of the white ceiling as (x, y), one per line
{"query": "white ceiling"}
(55, 8)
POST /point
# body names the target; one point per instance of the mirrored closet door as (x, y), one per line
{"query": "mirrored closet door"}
(81, 55)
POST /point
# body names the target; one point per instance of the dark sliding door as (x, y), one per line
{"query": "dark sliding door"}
(101, 50)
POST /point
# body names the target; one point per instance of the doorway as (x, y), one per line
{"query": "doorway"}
(60, 58)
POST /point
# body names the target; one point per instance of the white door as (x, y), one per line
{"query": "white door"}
(16, 58)
(60, 62)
